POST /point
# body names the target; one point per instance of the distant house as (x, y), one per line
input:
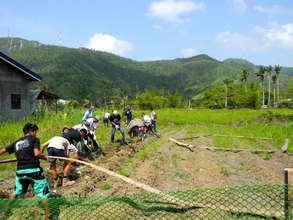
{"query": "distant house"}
(14, 89)
(44, 98)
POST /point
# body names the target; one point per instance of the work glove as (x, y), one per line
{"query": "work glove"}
(95, 137)
(117, 127)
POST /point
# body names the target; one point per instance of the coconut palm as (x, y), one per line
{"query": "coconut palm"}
(227, 82)
(274, 81)
(244, 77)
(269, 75)
(261, 77)
(277, 69)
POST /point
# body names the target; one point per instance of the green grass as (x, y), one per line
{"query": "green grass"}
(232, 123)
(105, 186)
(123, 172)
(155, 165)
(224, 171)
(242, 165)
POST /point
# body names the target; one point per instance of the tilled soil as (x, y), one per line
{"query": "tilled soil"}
(173, 168)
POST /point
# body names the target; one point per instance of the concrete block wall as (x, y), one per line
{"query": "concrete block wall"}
(13, 81)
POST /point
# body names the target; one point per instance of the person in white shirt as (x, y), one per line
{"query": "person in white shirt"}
(60, 147)
(154, 119)
(93, 123)
(106, 119)
(148, 123)
(83, 148)
(85, 126)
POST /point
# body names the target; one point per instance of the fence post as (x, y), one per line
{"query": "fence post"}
(286, 192)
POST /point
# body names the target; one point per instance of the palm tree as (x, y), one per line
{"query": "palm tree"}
(227, 82)
(274, 81)
(261, 76)
(277, 71)
(269, 71)
(244, 78)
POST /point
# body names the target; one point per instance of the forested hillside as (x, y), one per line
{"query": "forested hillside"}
(77, 73)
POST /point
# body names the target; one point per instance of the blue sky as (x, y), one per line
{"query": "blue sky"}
(259, 31)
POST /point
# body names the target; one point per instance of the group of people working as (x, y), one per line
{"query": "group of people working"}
(75, 140)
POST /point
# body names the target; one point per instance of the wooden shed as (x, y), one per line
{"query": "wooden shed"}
(44, 99)
(14, 89)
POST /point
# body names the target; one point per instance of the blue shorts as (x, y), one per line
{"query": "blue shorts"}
(34, 176)
(55, 152)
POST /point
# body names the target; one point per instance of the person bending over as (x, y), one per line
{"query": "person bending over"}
(59, 147)
(149, 127)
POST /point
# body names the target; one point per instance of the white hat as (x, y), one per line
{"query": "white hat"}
(97, 117)
(115, 112)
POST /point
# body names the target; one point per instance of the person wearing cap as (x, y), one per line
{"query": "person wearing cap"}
(93, 123)
(29, 171)
(59, 147)
(72, 135)
(75, 136)
(88, 114)
(148, 124)
(115, 119)
(89, 137)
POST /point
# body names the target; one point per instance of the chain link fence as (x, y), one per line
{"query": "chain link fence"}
(244, 202)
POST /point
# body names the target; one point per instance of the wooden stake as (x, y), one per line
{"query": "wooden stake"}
(188, 146)
(236, 150)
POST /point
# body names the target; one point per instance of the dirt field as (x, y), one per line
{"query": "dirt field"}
(171, 168)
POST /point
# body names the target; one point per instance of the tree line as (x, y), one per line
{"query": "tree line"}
(257, 89)
(251, 92)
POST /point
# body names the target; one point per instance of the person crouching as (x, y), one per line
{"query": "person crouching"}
(59, 147)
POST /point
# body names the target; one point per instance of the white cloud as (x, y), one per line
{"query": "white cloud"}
(274, 10)
(171, 10)
(239, 5)
(108, 43)
(188, 52)
(278, 35)
(237, 41)
(157, 27)
(275, 36)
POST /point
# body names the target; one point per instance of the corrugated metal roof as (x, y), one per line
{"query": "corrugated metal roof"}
(22, 68)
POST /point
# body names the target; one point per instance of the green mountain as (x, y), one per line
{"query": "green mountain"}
(75, 73)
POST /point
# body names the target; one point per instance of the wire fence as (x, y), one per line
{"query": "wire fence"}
(245, 202)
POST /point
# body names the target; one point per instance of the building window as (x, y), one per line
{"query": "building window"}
(15, 101)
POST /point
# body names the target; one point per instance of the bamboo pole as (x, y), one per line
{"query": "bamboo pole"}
(175, 200)
(8, 160)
